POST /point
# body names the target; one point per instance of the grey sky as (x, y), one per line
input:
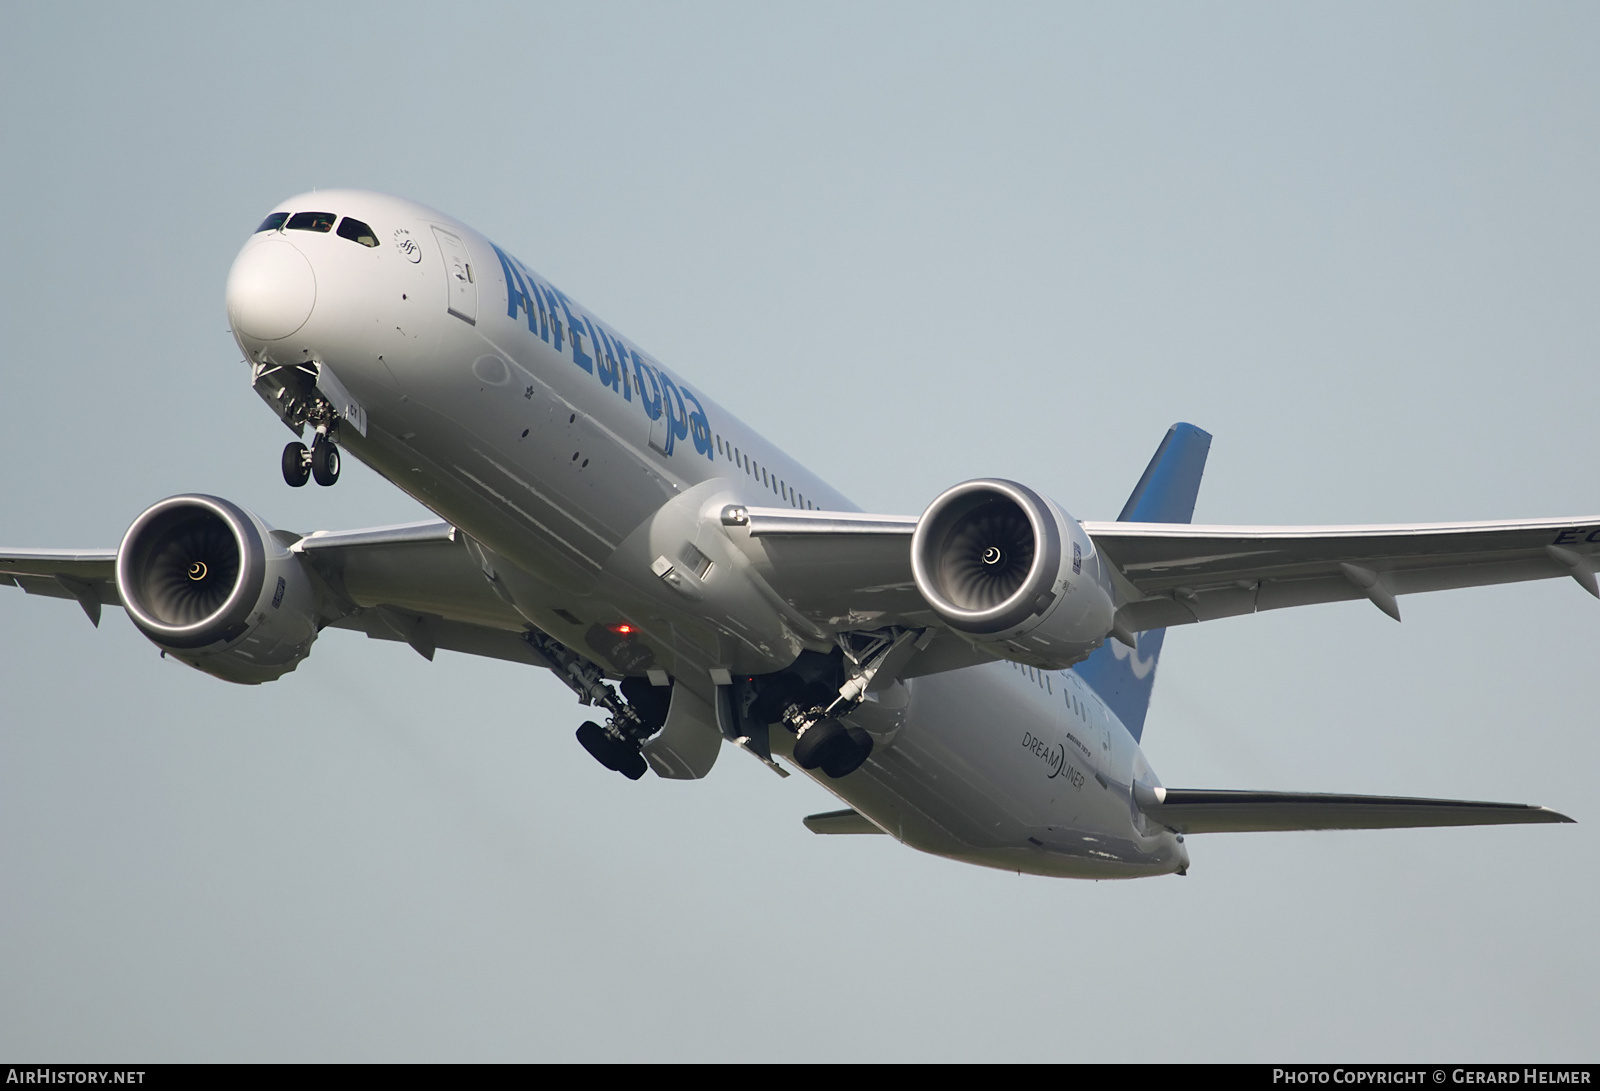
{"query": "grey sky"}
(913, 244)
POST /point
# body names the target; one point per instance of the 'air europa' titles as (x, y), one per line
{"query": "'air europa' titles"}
(607, 357)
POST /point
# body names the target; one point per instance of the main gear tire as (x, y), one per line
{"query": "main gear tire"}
(632, 765)
(823, 742)
(847, 761)
(601, 746)
(617, 756)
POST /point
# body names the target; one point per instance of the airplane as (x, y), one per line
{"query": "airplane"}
(972, 681)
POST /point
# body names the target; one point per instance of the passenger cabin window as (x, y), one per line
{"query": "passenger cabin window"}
(272, 222)
(311, 221)
(356, 231)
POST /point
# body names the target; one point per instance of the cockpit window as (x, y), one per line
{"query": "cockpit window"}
(311, 221)
(356, 231)
(272, 222)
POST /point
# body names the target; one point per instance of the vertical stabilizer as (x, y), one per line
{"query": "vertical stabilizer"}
(1123, 676)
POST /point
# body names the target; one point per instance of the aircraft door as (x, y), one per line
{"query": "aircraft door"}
(460, 281)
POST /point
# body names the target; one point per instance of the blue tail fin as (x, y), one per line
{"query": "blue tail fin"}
(1123, 676)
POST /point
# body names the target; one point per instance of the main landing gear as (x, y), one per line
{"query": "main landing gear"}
(320, 462)
(636, 714)
(811, 707)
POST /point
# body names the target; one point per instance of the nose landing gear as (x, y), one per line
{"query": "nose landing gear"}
(320, 462)
(296, 393)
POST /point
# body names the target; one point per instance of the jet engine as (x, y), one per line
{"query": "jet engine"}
(1011, 572)
(210, 585)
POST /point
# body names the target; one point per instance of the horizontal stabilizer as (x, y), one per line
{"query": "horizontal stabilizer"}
(839, 822)
(1208, 810)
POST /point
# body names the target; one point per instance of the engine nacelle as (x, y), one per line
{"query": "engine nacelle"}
(1012, 572)
(208, 583)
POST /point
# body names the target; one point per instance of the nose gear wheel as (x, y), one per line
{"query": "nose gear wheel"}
(296, 465)
(324, 461)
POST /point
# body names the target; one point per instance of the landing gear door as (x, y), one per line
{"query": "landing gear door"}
(460, 279)
(689, 740)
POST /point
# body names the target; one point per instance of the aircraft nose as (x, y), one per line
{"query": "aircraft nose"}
(271, 290)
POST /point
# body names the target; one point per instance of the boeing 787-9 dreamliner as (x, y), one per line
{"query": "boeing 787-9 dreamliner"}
(971, 681)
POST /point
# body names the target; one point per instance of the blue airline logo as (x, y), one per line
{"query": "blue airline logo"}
(607, 356)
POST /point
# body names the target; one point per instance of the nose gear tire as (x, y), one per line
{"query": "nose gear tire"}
(296, 467)
(324, 463)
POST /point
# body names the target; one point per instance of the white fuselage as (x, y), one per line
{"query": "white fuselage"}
(565, 454)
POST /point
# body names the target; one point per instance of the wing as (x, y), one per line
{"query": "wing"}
(1204, 810)
(840, 570)
(87, 575)
(845, 571)
(1182, 573)
(416, 583)
(849, 571)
